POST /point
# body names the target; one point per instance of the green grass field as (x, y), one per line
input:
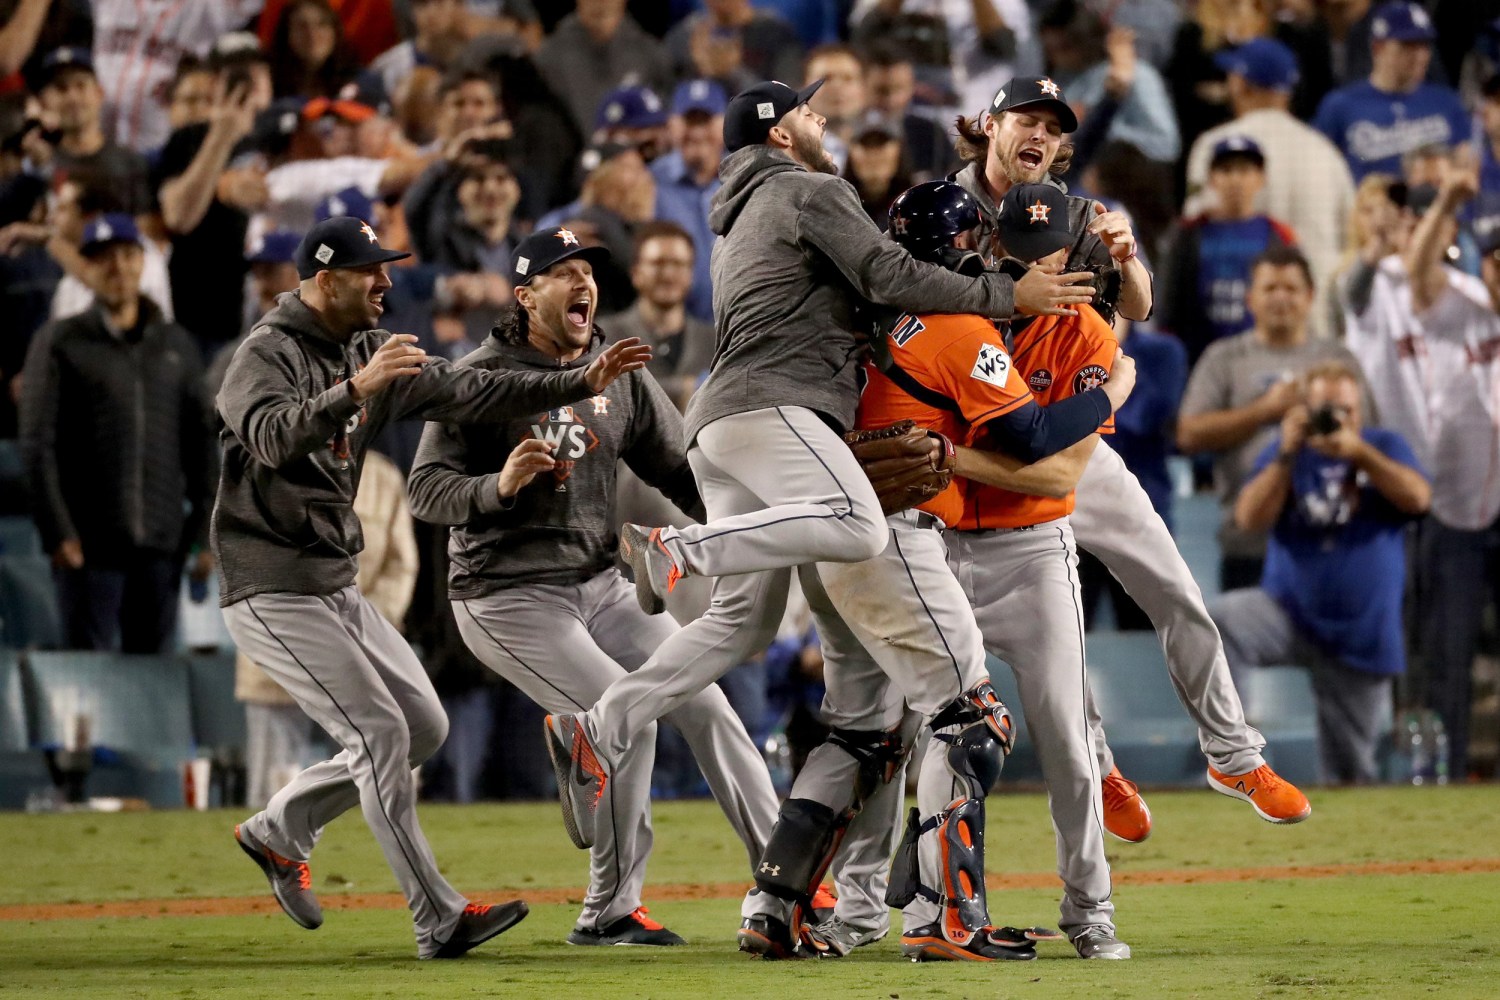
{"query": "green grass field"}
(1341, 934)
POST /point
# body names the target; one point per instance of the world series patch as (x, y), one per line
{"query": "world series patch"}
(991, 365)
(1090, 377)
(1039, 380)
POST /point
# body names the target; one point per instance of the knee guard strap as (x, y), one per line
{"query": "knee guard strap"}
(800, 849)
(979, 704)
(961, 897)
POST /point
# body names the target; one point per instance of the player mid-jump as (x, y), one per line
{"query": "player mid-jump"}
(795, 254)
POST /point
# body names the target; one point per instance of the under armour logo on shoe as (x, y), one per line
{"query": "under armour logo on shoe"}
(769, 869)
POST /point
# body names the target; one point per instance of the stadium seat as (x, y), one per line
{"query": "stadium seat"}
(1279, 702)
(1154, 740)
(29, 616)
(18, 536)
(141, 721)
(218, 720)
(22, 769)
(1195, 523)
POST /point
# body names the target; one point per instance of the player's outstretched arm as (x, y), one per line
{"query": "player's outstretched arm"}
(1056, 476)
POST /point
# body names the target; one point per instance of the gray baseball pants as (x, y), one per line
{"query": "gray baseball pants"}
(1113, 519)
(1023, 584)
(563, 645)
(355, 676)
(780, 489)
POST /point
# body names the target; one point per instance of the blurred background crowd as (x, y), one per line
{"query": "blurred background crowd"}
(1313, 182)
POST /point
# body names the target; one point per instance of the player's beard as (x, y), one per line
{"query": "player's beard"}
(808, 150)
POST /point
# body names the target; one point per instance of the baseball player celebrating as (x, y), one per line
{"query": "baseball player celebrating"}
(904, 629)
(1019, 142)
(796, 251)
(306, 391)
(532, 579)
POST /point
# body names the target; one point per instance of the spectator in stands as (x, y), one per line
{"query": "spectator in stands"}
(191, 96)
(842, 98)
(115, 432)
(1242, 388)
(877, 164)
(594, 49)
(325, 154)
(1336, 497)
(632, 115)
(890, 82)
(1307, 180)
(688, 176)
(271, 260)
(1373, 122)
(1074, 39)
(441, 33)
(80, 199)
(480, 239)
(735, 44)
(308, 55)
(280, 739)
(136, 54)
(963, 52)
(619, 194)
(682, 346)
(1203, 285)
(1377, 227)
(1429, 338)
(1154, 23)
(206, 216)
(30, 29)
(73, 102)
(1145, 430)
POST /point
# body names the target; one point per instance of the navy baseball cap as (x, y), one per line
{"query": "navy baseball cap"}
(341, 242)
(1401, 21)
(706, 96)
(1034, 221)
(60, 60)
(1420, 198)
(349, 201)
(275, 246)
(274, 127)
(1487, 230)
(630, 107)
(546, 247)
(113, 227)
(1237, 147)
(752, 113)
(1263, 62)
(1034, 92)
(873, 122)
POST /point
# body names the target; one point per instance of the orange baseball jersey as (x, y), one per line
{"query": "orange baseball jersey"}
(1057, 357)
(956, 374)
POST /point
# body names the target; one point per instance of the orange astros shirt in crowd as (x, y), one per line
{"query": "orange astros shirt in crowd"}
(1055, 357)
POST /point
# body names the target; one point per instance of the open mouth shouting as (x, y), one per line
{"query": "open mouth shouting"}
(580, 311)
(1031, 158)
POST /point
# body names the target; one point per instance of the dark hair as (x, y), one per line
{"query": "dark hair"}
(1491, 87)
(885, 54)
(186, 67)
(456, 79)
(288, 72)
(1281, 255)
(663, 229)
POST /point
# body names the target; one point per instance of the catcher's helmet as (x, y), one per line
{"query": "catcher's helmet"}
(925, 218)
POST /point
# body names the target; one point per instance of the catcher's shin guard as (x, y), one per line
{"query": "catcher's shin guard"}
(800, 849)
(976, 730)
(808, 833)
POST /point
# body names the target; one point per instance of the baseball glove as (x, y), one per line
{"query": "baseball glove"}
(908, 465)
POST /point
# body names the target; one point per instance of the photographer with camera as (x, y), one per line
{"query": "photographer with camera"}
(1336, 497)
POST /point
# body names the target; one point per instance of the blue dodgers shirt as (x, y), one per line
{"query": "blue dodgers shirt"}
(1226, 255)
(1336, 559)
(1145, 425)
(1373, 128)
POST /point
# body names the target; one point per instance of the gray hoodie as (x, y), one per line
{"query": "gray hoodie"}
(560, 528)
(797, 253)
(294, 441)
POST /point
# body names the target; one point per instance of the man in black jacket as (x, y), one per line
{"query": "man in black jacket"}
(114, 425)
(306, 392)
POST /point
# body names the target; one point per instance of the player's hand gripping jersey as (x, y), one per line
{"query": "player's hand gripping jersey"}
(1056, 357)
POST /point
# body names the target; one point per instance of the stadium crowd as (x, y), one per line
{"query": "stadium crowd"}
(1315, 183)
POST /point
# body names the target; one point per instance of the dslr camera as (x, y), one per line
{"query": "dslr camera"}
(1324, 420)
